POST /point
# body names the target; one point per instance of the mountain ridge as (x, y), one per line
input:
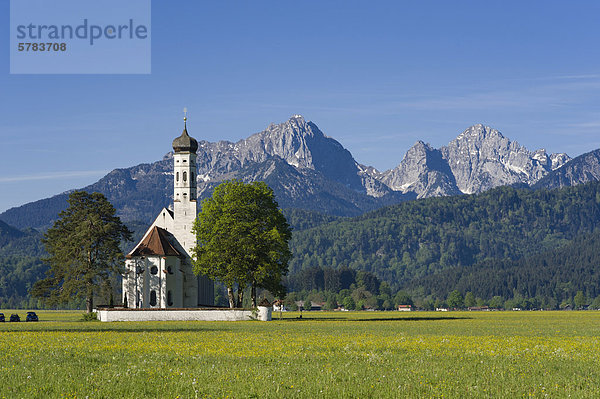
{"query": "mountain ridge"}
(309, 170)
(582, 169)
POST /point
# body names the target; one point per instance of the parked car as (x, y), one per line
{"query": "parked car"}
(2, 318)
(15, 317)
(31, 316)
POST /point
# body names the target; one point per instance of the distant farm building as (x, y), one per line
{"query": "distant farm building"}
(313, 305)
(479, 308)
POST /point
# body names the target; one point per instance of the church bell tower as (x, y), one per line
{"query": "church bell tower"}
(185, 191)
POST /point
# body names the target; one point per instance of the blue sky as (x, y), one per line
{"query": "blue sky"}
(376, 76)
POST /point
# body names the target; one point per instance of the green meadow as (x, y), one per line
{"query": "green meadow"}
(324, 354)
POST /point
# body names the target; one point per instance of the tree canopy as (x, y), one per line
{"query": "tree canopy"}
(242, 239)
(455, 300)
(83, 250)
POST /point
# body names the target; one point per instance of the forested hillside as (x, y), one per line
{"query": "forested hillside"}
(300, 219)
(553, 276)
(418, 238)
(8, 233)
(20, 264)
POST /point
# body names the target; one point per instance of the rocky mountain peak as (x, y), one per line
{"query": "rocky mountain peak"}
(478, 159)
(297, 118)
(482, 158)
(290, 140)
(423, 171)
(295, 126)
(559, 159)
(583, 169)
(298, 142)
(480, 132)
(477, 136)
(420, 147)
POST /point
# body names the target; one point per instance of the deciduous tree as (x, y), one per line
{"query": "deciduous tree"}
(470, 300)
(455, 300)
(242, 240)
(580, 300)
(497, 302)
(348, 303)
(402, 298)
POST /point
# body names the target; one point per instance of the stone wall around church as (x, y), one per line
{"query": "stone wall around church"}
(110, 315)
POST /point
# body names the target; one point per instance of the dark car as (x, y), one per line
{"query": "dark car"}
(31, 316)
(15, 317)
(2, 318)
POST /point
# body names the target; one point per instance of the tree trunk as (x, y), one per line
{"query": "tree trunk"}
(231, 297)
(253, 295)
(240, 299)
(89, 300)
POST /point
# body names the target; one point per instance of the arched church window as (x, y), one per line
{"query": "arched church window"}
(169, 298)
(154, 270)
(152, 298)
(184, 176)
(177, 176)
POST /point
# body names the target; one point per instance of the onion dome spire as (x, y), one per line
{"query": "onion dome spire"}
(185, 143)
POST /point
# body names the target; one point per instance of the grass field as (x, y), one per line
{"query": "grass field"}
(331, 355)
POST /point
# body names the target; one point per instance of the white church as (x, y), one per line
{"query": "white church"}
(159, 269)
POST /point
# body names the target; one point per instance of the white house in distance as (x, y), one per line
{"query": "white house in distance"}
(159, 269)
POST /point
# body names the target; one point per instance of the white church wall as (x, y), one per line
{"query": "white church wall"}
(151, 282)
(128, 298)
(164, 220)
(133, 283)
(146, 282)
(143, 285)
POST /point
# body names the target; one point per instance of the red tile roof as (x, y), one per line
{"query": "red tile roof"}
(157, 243)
